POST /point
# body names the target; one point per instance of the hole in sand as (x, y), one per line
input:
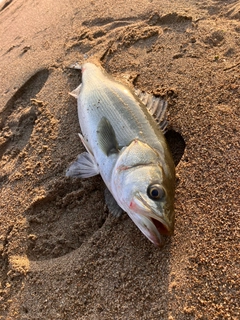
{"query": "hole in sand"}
(176, 144)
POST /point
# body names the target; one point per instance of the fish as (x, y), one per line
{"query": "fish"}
(127, 147)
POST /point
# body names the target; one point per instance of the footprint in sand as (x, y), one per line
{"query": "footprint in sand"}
(103, 37)
(17, 120)
(65, 218)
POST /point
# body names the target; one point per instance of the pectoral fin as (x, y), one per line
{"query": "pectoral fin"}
(85, 166)
(156, 106)
(106, 137)
(112, 205)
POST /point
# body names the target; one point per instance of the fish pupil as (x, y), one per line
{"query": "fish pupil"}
(155, 193)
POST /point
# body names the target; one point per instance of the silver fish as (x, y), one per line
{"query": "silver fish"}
(127, 148)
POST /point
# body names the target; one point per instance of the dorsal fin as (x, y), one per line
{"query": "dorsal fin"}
(156, 106)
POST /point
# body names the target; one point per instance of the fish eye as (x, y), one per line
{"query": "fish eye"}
(155, 192)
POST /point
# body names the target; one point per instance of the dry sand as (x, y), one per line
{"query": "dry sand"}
(63, 256)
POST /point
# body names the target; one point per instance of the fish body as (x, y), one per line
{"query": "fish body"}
(127, 148)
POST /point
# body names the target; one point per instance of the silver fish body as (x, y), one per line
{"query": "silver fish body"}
(127, 148)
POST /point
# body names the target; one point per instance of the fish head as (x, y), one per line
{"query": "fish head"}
(143, 184)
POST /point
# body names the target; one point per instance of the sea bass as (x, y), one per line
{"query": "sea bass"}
(127, 148)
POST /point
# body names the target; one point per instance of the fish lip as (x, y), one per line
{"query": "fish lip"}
(161, 225)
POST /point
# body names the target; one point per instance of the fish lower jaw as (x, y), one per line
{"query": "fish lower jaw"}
(157, 240)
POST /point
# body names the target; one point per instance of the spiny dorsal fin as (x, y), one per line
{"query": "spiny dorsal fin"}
(156, 106)
(106, 137)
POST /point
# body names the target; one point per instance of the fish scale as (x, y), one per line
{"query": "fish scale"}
(125, 131)
(134, 122)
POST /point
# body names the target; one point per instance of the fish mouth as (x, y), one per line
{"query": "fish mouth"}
(149, 222)
(161, 227)
(153, 229)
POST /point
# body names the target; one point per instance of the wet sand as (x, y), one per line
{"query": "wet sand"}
(63, 255)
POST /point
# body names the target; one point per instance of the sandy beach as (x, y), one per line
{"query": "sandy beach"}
(62, 254)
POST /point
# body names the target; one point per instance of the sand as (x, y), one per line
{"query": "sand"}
(63, 256)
